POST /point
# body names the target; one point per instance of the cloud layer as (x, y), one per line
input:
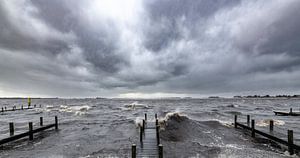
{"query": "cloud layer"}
(182, 47)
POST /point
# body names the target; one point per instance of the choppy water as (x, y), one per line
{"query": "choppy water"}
(108, 127)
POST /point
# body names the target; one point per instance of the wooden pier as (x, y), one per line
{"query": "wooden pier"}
(271, 135)
(149, 146)
(14, 108)
(291, 113)
(30, 131)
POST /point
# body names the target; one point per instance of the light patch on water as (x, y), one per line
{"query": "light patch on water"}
(266, 122)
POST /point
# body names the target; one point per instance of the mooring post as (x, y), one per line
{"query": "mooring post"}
(11, 129)
(291, 110)
(290, 142)
(41, 121)
(56, 123)
(157, 135)
(145, 116)
(155, 116)
(22, 107)
(160, 151)
(253, 128)
(30, 131)
(271, 125)
(143, 125)
(156, 122)
(248, 120)
(133, 151)
(141, 134)
(235, 120)
(2, 109)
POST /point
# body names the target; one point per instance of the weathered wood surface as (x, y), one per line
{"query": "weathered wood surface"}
(148, 148)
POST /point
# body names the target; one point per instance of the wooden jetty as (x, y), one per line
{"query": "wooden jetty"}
(149, 146)
(291, 113)
(30, 132)
(14, 108)
(289, 142)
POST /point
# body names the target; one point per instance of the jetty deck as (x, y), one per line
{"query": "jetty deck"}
(149, 146)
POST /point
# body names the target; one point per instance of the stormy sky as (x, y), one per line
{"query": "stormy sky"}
(149, 48)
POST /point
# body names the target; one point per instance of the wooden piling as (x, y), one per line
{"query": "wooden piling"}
(30, 131)
(141, 134)
(291, 110)
(34, 106)
(290, 142)
(155, 116)
(253, 128)
(248, 120)
(133, 151)
(235, 120)
(143, 125)
(41, 121)
(2, 109)
(157, 135)
(156, 122)
(56, 123)
(271, 125)
(145, 116)
(11, 129)
(22, 108)
(160, 151)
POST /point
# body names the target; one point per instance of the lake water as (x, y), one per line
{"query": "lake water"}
(107, 127)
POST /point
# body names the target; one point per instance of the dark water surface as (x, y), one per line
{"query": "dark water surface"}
(107, 127)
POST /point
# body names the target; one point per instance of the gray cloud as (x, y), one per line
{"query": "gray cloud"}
(67, 48)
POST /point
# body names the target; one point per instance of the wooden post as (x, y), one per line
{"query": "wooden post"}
(253, 128)
(2, 109)
(155, 116)
(41, 121)
(291, 110)
(34, 105)
(11, 129)
(141, 134)
(248, 120)
(235, 120)
(30, 131)
(143, 125)
(291, 142)
(271, 125)
(157, 135)
(160, 151)
(145, 116)
(133, 151)
(56, 123)
(22, 107)
(156, 122)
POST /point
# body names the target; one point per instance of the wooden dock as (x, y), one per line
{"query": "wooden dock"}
(291, 113)
(270, 135)
(149, 146)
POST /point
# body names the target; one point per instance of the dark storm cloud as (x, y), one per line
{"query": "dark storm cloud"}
(68, 48)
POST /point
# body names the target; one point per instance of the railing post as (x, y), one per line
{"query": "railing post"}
(157, 135)
(41, 121)
(271, 125)
(143, 125)
(235, 120)
(11, 129)
(160, 151)
(253, 128)
(56, 123)
(133, 151)
(141, 134)
(248, 120)
(30, 131)
(290, 142)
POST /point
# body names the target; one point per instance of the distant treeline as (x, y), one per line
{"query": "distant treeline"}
(268, 96)
(24, 98)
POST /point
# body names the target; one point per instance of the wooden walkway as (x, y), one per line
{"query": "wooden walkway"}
(149, 146)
